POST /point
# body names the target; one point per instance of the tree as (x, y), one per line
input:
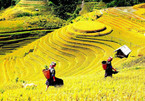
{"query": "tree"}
(107, 1)
(7, 3)
(62, 7)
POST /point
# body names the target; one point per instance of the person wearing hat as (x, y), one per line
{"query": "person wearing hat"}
(52, 75)
(109, 70)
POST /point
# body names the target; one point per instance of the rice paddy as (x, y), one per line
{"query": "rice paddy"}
(78, 50)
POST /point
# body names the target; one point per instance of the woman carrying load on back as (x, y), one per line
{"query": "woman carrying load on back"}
(109, 70)
(49, 74)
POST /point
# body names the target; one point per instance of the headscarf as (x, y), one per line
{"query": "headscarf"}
(52, 65)
(110, 59)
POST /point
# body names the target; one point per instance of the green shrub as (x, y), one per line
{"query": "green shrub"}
(23, 14)
(118, 3)
(137, 68)
(36, 14)
(16, 1)
(17, 79)
(2, 91)
(46, 22)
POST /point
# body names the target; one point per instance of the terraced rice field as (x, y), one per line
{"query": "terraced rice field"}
(20, 24)
(78, 50)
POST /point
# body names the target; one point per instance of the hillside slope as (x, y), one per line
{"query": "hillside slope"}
(26, 22)
(78, 50)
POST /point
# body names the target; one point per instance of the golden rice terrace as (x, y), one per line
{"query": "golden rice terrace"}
(78, 50)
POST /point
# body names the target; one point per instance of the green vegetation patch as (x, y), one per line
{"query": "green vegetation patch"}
(21, 4)
(46, 22)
